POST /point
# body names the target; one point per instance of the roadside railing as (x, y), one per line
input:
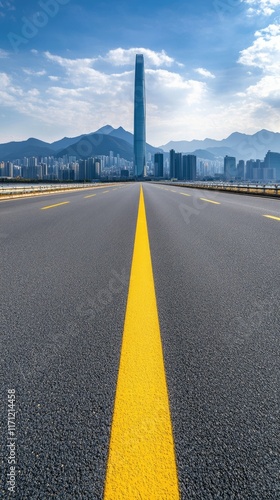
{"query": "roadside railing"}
(41, 189)
(249, 188)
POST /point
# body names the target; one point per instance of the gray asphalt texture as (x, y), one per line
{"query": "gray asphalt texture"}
(63, 291)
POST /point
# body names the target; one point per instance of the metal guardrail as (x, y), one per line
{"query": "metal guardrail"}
(40, 189)
(265, 189)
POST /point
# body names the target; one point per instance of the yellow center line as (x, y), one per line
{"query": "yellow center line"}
(141, 463)
(89, 196)
(210, 201)
(272, 217)
(105, 192)
(56, 205)
(185, 194)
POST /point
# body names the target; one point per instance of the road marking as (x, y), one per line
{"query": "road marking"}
(141, 463)
(272, 217)
(56, 205)
(210, 201)
(185, 194)
(105, 192)
(89, 196)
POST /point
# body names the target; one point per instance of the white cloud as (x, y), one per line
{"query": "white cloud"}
(61, 92)
(80, 71)
(265, 51)
(31, 72)
(84, 97)
(4, 80)
(165, 81)
(91, 97)
(266, 90)
(204, 72)
(14, 95)
(64, 62)
(122, 57)
(262, 98)
(263, 7)
(54, 78)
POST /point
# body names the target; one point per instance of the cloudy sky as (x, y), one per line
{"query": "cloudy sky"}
(67, 67)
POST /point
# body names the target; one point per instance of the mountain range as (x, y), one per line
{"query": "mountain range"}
(242, 146)
(107, 139)
(83, 146)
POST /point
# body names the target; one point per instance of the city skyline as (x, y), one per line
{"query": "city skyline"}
(211, 68)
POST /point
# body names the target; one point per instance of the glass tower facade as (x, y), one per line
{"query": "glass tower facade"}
(139, 118)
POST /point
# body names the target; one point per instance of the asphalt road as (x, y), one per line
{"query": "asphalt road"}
(64, 284)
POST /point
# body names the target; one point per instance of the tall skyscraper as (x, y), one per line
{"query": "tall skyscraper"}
(229, 167)
(241, 170)
(178, 166)
(139, 118)
(189, 167)
(172, 164)
(82, 170)
(158, 165)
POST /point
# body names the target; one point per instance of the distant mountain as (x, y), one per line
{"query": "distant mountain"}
(66, 142)
(122, 134)
(31, 147)
(243, 146)
(98, 144)
(204, 154)
(103, 141)
(107, 139)
(107, 129)
(189, 146)
(127, 136)
(222, 152)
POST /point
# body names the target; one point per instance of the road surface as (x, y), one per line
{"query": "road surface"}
(160, 316)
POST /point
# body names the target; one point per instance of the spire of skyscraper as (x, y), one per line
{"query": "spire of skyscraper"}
(139, 118)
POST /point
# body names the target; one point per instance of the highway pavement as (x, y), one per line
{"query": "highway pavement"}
(140, 345)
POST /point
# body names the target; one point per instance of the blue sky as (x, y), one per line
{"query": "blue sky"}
(67, 67)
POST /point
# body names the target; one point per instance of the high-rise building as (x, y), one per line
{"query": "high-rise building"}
(189, 167)
(93, 168)
(9, 169)
(249, 170)
(158, 165)
(82, 170)
(240, 170)
(90, 171)
(111, 158)
(272, 161)
(139, 118)
(229, 167)
(97, 168)
(172, 163)
(178, 166)
(33, 162)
